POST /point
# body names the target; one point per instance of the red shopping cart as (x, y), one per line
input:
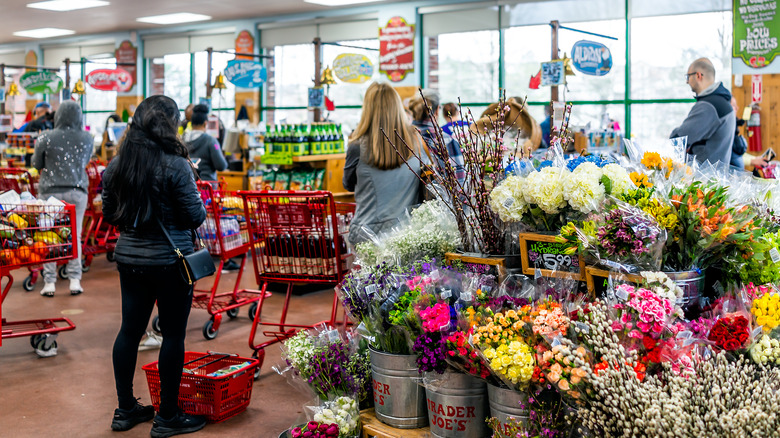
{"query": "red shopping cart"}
(225, 234)
(98, 236)
(32, 233)
(295, 237)
(17, 179)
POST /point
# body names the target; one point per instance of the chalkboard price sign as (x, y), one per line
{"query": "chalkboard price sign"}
(598, 280)
(541, 251)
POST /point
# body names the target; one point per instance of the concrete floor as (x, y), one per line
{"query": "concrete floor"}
(72, 394)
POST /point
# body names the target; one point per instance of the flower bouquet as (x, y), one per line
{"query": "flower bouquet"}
(342, 412)
(640, 313)
(731, 332)
(315, 429)
(765, 310)
(501, 339)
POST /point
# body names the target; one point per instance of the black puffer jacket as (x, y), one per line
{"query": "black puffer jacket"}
(177, 203)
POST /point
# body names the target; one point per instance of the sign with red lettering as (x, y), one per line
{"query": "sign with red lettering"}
(126, 55)
(381, 390)
(396, 49)
(110, 79)
(757, 88)
(245, 43)
(451, 418)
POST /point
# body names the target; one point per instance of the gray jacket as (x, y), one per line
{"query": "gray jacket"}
(205, 148)
(381, 195)
(63, 153)
(710, 126)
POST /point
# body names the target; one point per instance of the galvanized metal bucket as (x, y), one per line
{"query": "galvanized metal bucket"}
(399, 400)
(457, 407)
(692, 284)
(505, 404)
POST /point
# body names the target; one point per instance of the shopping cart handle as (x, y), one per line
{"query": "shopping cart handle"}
(216, 353)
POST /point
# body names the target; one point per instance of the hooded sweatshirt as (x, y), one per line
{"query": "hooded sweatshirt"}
(205, 148)
(63, 153)
(710, 125)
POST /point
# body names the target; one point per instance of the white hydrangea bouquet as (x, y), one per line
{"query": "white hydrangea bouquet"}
(429, 232)
(545, 199)
(342, 411)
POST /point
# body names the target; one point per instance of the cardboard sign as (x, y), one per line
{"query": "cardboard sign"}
(245, 43)
(46, 82)
(106, 79)
(542, 252)
(245, 74)
(353, 68)
(316, 97)
(756, 32)
(289, 215)
(125, 54)
(553, 74)
(757, 88)
(591, 58)
(396, 49)
(277, 158)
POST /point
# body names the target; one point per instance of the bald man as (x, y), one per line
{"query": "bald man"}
(711, 124)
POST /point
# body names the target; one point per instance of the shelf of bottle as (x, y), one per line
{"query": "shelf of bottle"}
(324, 157)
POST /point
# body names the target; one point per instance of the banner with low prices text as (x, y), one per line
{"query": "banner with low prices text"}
(756, 31)
(396, 49)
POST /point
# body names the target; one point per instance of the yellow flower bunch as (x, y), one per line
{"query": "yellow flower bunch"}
(513, 361)
(640, 180)
(766, 310)
(663, 213)
(653, 160)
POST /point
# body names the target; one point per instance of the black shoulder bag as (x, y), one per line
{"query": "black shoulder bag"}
(196, 265)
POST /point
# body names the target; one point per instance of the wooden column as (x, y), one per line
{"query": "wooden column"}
(209, 56)
(317, 70)
(554, 55)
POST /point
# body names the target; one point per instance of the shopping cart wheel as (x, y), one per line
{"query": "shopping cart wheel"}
(259, 355)
(41, 344)
(208, 330)
(232, 313)
(110, 256)
(84, 265)
(156, 324)
(63, 272)
(28, 284)
(252, 311)
(34, 339)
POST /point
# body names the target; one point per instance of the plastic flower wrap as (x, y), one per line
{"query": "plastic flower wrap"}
(629, 236)
(730, 332)
(464, 357)
(766, 350)
(764, 265)
(661, 211)
(314, 429)
(544, 189)
(662, 285)
(502, 343)
(583, 189)
(431, 345)
(564, 365)
(640, 312)
(343, 412)
(654, 161)
(548, 319)
(507, 199)
(619, 179)
(640, 180)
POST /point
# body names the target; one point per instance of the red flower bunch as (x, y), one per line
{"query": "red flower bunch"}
(730, 333)
(459, 349)
(316, 430)
(640, 369)
(654, 349)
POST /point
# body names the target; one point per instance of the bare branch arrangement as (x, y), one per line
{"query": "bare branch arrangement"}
(483, 155)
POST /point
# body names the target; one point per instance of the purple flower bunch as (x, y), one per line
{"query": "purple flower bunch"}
(507, 302)
(430, 349)
(623, 235)
(337, 372)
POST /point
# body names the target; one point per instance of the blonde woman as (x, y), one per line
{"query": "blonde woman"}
(384, 186)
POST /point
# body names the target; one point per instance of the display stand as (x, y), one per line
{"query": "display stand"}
(598, 280)
(373, 428)
(496, 265)
(542, 254)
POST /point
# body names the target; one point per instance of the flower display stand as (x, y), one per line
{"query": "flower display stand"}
(542, 252)
(598, 280)
(373, 428)
(492, 265)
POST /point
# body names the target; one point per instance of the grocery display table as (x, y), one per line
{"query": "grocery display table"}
(373, 428)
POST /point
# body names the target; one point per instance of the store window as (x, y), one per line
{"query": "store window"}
(98, 104)
(170, 75)
(467, 66)
(660, 58)
(652, 123)
(289, 77)
(222, 101)
(344, 94)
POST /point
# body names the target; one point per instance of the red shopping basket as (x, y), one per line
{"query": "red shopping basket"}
(215, 397)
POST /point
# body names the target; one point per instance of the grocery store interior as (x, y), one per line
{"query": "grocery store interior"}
(284, 85)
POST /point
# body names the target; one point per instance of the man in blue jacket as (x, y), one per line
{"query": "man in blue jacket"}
(711, 123)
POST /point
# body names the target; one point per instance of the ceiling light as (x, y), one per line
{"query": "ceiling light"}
(67, 5)
(44, 32)
(339, 2)
(182, 17)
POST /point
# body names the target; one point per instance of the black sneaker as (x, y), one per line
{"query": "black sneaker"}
(230, 266)
(180, 423)
(126, 419)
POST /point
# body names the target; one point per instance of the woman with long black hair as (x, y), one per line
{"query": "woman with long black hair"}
(150, 185)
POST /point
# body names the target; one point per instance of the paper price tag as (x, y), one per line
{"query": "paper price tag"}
(371, 290)
(775, 255)
(466, 296)
(445, 294)
(508, 202)
(622, 294)
(333, 335)
(435, 275)
(684, 334)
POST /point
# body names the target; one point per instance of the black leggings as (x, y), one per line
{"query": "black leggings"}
(141, 287)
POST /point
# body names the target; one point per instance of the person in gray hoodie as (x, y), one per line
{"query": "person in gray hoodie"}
(711, 123)
(62, 155)
(204, 149)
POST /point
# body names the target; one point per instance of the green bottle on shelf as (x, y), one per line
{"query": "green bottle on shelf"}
(268, 140)
(316, 142)
(339, 140)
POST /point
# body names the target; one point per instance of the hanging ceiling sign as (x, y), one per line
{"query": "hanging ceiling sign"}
(353, 68)
(553, 74)
(126, 55)
(108, 79)
(245, 74)
(756, 32)
(591, 58)
(396, 49)
(46, 82)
